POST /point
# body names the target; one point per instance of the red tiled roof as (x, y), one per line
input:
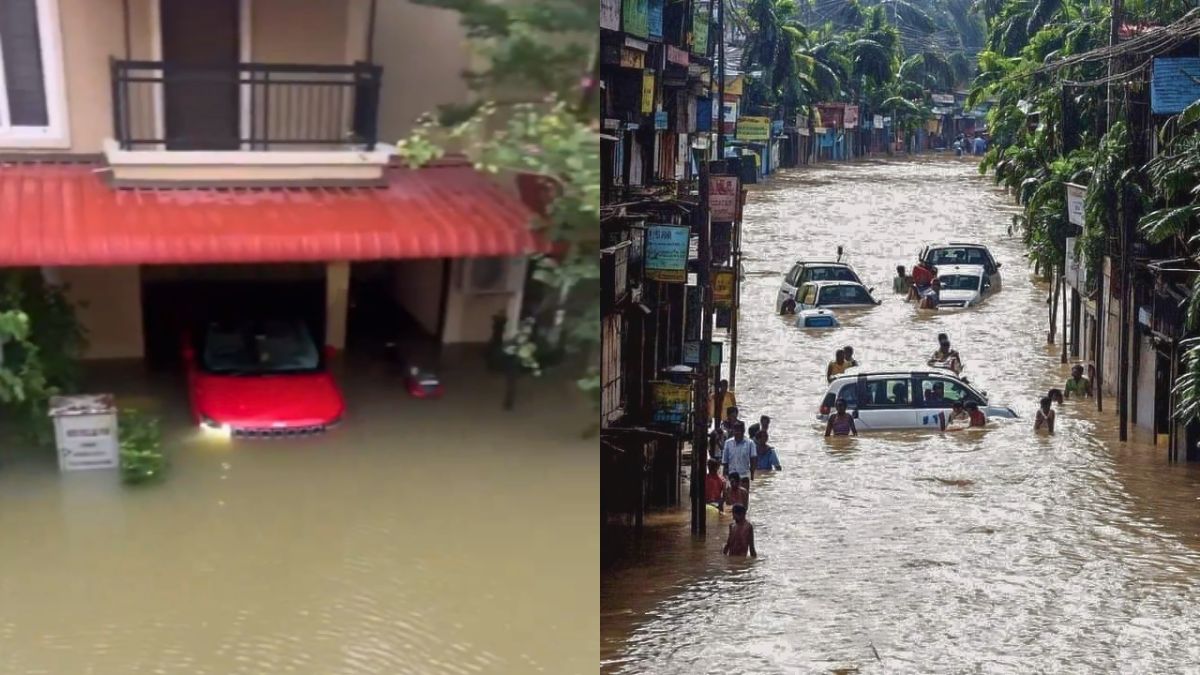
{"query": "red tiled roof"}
(66, 214)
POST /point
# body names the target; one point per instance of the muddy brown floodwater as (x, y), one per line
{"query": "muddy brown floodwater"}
(996, 551)
(428, 537)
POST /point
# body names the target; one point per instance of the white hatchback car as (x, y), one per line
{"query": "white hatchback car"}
(963, 285)
(899, 399)
(803, 272)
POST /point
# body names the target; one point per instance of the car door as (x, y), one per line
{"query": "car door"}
(808, 297)
(787, 288)
(887, 402)
(938, 394)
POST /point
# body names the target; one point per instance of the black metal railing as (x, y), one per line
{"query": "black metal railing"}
(246, 106)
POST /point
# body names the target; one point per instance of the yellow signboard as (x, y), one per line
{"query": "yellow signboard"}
(647, 92)
(722, 283)
(754, 129)
(671, 402)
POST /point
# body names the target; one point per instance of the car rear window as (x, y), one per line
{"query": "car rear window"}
(841, 295)
(958, 255)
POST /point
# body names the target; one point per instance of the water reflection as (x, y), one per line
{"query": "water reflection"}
(986, 550)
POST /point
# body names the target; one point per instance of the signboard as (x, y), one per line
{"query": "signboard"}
(667, 253)
(776, 127)
(610, 14)
(722, 284)
(830, 115)
(1076, 276)
(943, 98)
(671, 402)
(1076, 194)
(722, 242)
(85, 431)
(647, 92)
(851, 118)
(700, 29)
(632, 58)
(731, 115)
(635, 15)
(723, 198)
(655, 18)
(691, 353)
(704, 115)
(660, 119)
(677, 56)
(877, 122)
(753, 129)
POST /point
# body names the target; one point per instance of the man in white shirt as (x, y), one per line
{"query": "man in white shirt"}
(739, 453)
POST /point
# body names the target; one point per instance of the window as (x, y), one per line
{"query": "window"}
(849, 394)
(793, 277)
(893, 391)
(32, 107)
(829, 274)
(611, 393)
(938, 392)
(845, 295)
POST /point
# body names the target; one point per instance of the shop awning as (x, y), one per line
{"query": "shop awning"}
(66, 214)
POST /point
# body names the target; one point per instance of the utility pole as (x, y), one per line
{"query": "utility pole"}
(700, 419)
(720, 54)
(1110, 214)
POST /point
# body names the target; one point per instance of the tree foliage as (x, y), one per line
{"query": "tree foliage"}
(532, 115)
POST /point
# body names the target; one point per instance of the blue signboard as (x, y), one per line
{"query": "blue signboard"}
(660, 119)
(656, 18)
(1174, 85)
(667, 253)
(704, 117)
(776, 127)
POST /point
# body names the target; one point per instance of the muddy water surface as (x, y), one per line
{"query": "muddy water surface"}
(438, 537)
(990, 551)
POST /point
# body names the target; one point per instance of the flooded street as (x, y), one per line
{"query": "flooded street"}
(412, 539)
(989, 551)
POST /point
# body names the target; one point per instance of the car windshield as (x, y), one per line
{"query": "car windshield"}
(845, 295)
(957, 255)
(250, 347)
(830, 273)
(959, 282)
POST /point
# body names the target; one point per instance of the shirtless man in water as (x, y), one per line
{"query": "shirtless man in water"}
(741, 535)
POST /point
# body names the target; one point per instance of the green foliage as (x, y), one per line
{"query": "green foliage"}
(142, 459)
(545, 48)
(40, 343)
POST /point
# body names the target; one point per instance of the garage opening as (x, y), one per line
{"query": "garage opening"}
(397, 309)
(178, 299)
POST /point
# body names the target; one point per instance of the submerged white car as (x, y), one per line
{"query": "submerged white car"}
(963, 285)
(803, 272)
(903, 399)
(957, 253)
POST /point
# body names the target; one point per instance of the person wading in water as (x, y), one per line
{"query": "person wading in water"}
(841, 423)
(741, 535)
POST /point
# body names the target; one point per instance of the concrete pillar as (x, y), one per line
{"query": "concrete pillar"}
(519, 271)
(337, 303)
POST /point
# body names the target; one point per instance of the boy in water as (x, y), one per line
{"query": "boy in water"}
(1055, 396)
(975, 415)
(841, 423)
(735, 494)
(741, 535)
(1078, 384)
(714, 486)
(849, 352)
(958, 415)
(837, 366)
(1045, 416)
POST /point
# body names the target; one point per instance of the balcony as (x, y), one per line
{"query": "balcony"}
(253, 123)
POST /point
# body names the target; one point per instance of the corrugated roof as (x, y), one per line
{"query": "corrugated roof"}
(66, 214)
(1174, 84)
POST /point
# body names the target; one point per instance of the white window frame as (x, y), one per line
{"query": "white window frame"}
(56, 134)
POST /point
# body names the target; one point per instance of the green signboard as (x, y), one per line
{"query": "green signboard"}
(635, 15)
(700, 29)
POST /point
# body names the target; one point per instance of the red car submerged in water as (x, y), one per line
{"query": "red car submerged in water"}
(261, 378)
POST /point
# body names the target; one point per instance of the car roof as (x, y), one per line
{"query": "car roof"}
(924, 370)
(833, 282)
(972, 270)
(821, 262)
